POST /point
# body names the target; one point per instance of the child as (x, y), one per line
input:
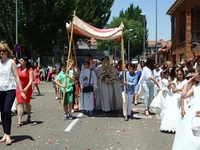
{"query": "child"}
(184, 138)
(43, 73)
(66, 82)
(171, 115)
(130, 81)
(88, 78)
(55, 85)
(159, 98)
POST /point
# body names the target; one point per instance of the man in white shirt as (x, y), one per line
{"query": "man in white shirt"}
(89, 59)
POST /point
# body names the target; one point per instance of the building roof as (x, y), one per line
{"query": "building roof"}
(165, 48)
(160, 42)
(174, 6)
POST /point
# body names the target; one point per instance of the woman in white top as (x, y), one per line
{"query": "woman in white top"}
(8, 80)
(147, 81)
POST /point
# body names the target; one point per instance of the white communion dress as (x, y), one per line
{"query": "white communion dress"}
(184, 138)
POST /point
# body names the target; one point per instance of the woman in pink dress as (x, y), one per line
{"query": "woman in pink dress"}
(36, 79)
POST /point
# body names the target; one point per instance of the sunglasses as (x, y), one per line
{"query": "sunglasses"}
(2, 51)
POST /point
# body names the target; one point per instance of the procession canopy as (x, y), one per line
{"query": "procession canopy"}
(84, 29)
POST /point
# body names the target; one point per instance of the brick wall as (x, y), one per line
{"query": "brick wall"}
(185, 16)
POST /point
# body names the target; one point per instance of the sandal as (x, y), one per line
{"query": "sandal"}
(146, 112)
(19, 124)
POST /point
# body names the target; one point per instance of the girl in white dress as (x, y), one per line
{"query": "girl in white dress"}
(87, 99)
(171, 113)
(159, 98)
(184, 138)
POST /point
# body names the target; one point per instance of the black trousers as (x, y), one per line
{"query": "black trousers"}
(6, 101)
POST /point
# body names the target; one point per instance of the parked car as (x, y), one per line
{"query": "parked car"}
(134, 61)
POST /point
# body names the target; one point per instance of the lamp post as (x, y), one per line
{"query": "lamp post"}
(129, 30)
(156, 51)
(129, 47)
(143, 14)
(16, 53)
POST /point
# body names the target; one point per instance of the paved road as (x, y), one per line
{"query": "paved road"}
(100, 132)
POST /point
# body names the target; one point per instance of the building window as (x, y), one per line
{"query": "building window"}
(198, 16)
(182, 34)
(174, 26)
(181, 57)
(198, 22)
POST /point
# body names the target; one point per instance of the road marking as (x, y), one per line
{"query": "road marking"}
(70, 126)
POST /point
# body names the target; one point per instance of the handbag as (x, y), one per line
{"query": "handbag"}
(88, 88)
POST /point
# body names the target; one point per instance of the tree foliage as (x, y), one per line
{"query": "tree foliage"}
(41, 24)
(131, 19)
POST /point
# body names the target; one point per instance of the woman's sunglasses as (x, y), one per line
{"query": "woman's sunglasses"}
(2, 51)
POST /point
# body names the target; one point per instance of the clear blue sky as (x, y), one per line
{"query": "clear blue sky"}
(149, 8)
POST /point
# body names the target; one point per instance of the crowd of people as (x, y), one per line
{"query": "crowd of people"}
(107, 86)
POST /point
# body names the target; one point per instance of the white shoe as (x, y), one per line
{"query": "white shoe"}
(65, 117)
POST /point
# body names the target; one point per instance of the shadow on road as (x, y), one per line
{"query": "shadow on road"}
(20, 138)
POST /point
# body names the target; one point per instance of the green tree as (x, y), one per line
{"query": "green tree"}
(131, 19)
(42, 23)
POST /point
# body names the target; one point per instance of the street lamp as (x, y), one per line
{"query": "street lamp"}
(143, 14)
(156, 51)
(129, 47)
(16, 53)
(129, 30)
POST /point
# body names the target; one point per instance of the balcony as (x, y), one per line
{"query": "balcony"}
(195, 31)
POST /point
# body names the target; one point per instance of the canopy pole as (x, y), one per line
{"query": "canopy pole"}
(69, 54)
(76, 63)
(124, 76)
(114, 52)
(74, 48)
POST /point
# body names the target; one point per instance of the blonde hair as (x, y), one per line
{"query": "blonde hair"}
(169, 63)
(4, 46)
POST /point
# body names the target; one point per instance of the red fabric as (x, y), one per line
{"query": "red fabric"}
(24, 79)
(36, 73)
(84, 29)
(78, 87)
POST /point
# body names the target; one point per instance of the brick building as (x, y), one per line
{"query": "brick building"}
(185, 28)
(163, 47)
